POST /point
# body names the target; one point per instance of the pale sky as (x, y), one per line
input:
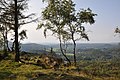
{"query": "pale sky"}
(102, 31)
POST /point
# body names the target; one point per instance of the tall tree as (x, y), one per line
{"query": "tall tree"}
(4, 31)
(17, 56)
(14, 10)
(61, 18)
(19, 6)
(75, 28)
(55, 19)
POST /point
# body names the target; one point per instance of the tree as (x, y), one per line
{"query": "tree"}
(117, 30)
(75, 28)
(5, 27)
(1, 42)
(14, 10)
(19, 6)
(4, 31)
(61, 18)
(55, 17)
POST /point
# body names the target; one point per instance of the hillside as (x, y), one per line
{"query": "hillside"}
(94, 62)
(34, 46)
(86, 70)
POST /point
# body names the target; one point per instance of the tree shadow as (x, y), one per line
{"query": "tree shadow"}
(56, 76)
(6, 75)
(69, 77)
(38, 76)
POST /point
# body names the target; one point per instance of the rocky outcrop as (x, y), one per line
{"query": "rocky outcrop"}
(49, 61)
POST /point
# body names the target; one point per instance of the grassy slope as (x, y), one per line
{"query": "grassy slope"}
(10, 70)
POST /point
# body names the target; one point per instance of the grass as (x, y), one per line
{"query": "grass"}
(18, 71)
(86, 70)
(103, 70)
(10, 70)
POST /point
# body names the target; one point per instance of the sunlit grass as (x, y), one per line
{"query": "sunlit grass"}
(85, 70)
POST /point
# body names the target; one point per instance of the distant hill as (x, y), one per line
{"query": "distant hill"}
(97, 45)
(90, 45)
(34, 47)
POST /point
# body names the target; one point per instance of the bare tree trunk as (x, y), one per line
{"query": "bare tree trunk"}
(6, 38)
(17, 56)
(7, 44)
(74, 49)
(63, 52)
(5, 47)
(4, 42)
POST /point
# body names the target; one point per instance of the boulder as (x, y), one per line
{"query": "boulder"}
(50, 61)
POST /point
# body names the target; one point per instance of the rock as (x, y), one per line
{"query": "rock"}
(50, 61)
(12, 76)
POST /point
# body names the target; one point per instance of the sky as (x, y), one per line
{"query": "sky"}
(107, 19)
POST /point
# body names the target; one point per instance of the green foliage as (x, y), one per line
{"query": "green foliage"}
(23, 34)
(117, 30)
(55, 16)
(12, 16)
(86, 16)
(61, 18)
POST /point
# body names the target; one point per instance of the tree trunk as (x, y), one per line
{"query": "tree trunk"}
(6, 38)
(8, 49)
(5, 47)
(17, 56)
(74, 49)
(63, 52)
(4, 42)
